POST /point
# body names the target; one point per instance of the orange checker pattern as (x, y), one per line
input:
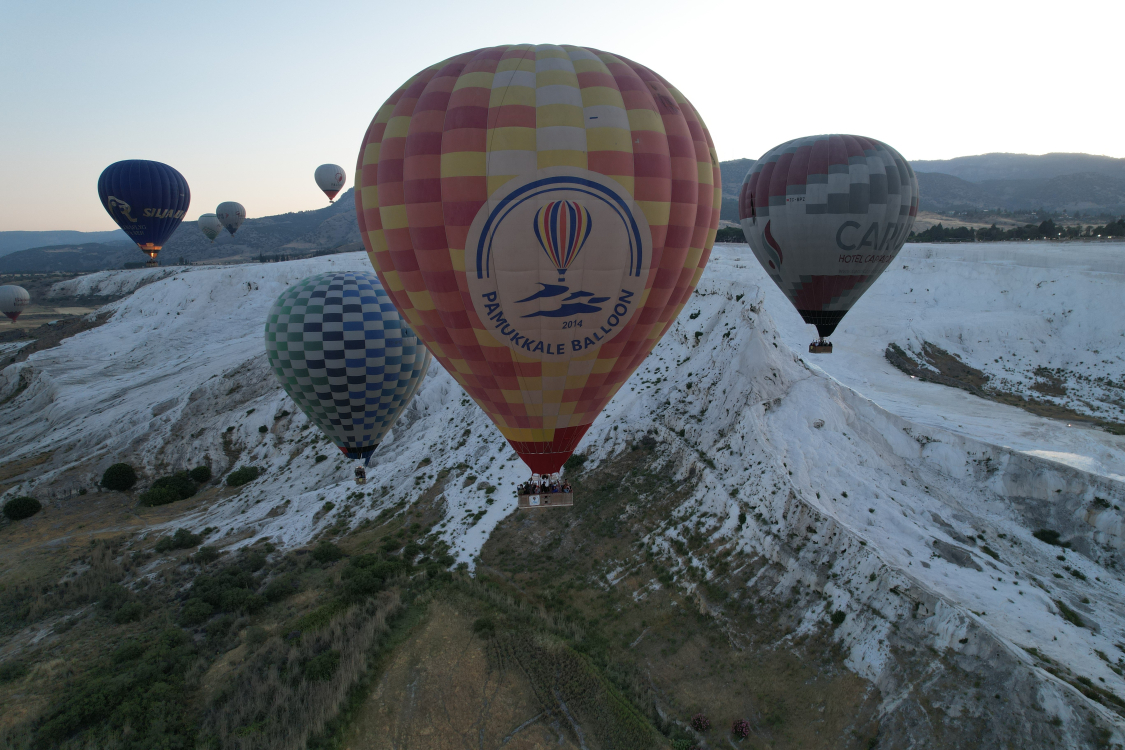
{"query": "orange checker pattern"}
(457, 132)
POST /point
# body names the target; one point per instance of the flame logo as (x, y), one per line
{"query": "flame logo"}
(562, 228)
(772, 245)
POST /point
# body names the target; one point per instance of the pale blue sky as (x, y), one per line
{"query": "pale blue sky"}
(247, 98)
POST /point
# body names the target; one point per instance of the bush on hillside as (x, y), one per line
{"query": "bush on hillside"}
(243, 475)
(740, 728)
(700, 723)
(158, 496)
(20, 508)
(182, 539)
(575, 461)
(206, 555)
(180, 483)
(200, 474)
(119, 477)
(327, 552)
(12, 670)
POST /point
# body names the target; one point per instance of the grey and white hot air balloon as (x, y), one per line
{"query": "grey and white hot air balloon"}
(13, 300)
(211, 226)
(825, 215)
(231, 215)
(341, 351)
(330, 178)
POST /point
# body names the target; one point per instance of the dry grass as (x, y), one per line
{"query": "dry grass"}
(272, 703)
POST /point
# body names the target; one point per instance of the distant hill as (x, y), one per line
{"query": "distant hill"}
(86, 256)
(1013, 182)
(987, 167)
(1088, 192)
(329, 229)
(11, 242)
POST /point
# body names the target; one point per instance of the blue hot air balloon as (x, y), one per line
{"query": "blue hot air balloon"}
(340, 350)
(147, 199)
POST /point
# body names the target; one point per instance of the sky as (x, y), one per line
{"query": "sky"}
(247, 98)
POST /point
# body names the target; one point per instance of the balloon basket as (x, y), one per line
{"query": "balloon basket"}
(547, 500)
(151, 263)
(820, 347)
(360, 480)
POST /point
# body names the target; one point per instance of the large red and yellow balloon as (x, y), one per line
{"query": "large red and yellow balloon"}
(539, 215)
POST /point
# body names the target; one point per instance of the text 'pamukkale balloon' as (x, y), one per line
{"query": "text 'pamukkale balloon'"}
(147, 199)
(342, 353)
(13, 300)
(231, 215)
(210, 225)
(825, 215)
(330, 178)
(539, 214)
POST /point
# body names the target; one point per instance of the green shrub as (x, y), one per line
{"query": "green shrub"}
(142, 687)
(12, 670)
(838, 618)
(575, 462)
(119, 477)
(158, 496)
(113, 596)
(1050, 536)
(200, 474)
(256, 635)
(206, 555)
(320, 668)
(182, 539)
(263, 429)
(326, 552)
(321, 457)
(195, 612)
(281, 587)
(20, 508)
(243, 475)
(1069, 614)
(129, 612)
(484, 627)
(180, 483)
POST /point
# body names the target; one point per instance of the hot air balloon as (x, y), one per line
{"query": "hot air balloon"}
(231, 215)
(13, 299)
(330, 178)
(211, 226)
(539, 214)
(825, 215)
(147, 199)
(342, 353)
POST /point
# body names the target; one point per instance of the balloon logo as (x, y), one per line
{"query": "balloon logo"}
(767, 235)
(562, 228)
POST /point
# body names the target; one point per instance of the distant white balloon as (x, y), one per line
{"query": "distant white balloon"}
(211, 226)
(231, 215)
(330, 178)
(13, 299)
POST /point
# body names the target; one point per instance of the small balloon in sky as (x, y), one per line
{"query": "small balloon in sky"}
(210, 225)
(330, 178)
(13, 300)
(231, 215)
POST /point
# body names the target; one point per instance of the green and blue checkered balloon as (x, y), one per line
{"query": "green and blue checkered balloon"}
(344, 355)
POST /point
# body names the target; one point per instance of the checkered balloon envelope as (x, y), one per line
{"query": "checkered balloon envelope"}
(345, 356)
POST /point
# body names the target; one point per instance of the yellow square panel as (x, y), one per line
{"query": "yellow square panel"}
(480, 79)
(604, 365)
(602, 95)
(463, 164)
(562, 159)
(556, 78)
(394, 217)
(511, 139)
(553, 115)
(657, 212)
(397, 127)
(505, 95)
(645, 119)
(421, 300)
